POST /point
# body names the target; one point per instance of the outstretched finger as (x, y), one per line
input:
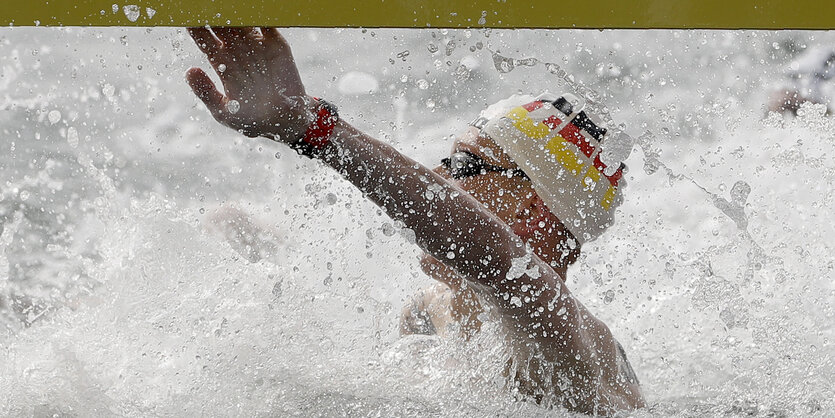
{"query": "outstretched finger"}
(205, 89)
(232, 36)
(205, 40)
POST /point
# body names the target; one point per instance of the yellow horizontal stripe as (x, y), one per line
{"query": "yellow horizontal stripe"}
(527, 125)
(591, 178)
(608, 198)
(565, 154)
(599, 14)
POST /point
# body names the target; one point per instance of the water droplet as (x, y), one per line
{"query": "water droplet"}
(24, 195)
(554, 69)
(72, 137)
(503, 64)
(221, 68)
(651, 166)
(432, 48)
(450, 47)
(108, 90)
(739, 192)
(131, 12)
(528, 62)
(388, 229)
(150, 12)
(450, 255)
(54, 117)
(233, 106)
(422, 84)
(277, 155)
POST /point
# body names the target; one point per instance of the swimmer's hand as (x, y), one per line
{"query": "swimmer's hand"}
(264, 94)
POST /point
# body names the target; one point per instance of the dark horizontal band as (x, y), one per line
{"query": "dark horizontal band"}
(597, 14)
(582, 121)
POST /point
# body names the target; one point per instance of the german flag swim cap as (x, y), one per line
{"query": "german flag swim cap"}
(558, 147)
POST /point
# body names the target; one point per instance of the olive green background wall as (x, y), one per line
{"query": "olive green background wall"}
(599, 14)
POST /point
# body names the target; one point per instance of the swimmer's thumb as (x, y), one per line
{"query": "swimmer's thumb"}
(204, 88)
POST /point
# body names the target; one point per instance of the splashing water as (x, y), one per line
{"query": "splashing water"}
(151, 260)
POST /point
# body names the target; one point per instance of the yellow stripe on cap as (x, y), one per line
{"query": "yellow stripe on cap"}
(526, 125)
(593, 175)
(609, 197)
(565, 154)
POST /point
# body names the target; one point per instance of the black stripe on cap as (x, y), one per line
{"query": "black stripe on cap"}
(582, 121)
(563, 106)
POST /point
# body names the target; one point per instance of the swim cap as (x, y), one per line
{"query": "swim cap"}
(559, 147)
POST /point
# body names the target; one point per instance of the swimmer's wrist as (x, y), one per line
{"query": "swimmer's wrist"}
(289, 124)
(319, 132)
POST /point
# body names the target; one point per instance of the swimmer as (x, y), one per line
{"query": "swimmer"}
(499, 220)
(808, 79)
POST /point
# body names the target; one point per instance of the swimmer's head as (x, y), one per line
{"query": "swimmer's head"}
(481, 168)
(514, 159)
(559, 148)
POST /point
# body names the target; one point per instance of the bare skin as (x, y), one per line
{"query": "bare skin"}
(788, 101)
(477, 231)
(785, 101)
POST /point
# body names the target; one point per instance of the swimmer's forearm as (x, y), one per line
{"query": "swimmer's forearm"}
(445, 221)
(443, 218)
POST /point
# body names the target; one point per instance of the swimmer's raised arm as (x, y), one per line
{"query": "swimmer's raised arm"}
(264, 96)
(258, 72)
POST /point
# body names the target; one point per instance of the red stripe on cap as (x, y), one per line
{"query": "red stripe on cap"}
(530, 107)
(613, 179)
(572, 134)
(552, 122)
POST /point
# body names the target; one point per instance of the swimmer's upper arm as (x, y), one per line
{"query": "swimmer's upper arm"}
(544, 310)
(444, 218)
